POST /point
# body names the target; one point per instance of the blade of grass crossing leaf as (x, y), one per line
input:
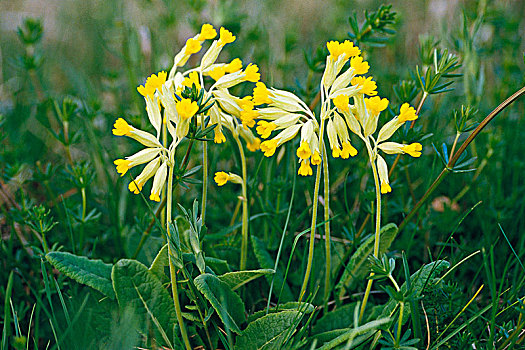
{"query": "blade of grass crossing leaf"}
(281, 243)
(155, 321)
(6, 331)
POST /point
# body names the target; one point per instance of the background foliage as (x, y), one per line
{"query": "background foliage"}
(67, 74)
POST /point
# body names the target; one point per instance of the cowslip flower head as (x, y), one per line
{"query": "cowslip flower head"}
(221, 178)
(187, 108)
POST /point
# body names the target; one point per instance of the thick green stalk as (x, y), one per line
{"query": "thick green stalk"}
(377, 226)
(204, 175)
(244, 244)
(314, 219)
(173, 273)
(328, 264)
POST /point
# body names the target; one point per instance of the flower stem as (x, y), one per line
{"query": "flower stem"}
(244, 244)
(377, 226)
(204, 175)
(314, 218)
(328, 264)
(173, 273)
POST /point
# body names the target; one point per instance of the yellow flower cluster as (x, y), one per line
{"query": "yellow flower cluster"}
(172, 106)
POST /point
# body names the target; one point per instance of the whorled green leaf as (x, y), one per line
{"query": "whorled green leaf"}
(237, 279)
(358, 266)
(91, 272)
(303, 307)
(266, 262)
(139, 289)
(161, 261)
(223, 299)
(268, 332)
(419, 280)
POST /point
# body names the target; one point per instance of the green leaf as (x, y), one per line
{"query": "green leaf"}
(266, 262)
(157, 266)
(358, 266)
(340, 318)
(418, 281)
(268, 332)
(226, 302)
(138, 289)
(355, 334)
(239, 278)
(91, 272)
(303, 307)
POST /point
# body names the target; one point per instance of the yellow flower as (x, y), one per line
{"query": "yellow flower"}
(305, 169)
(248, 117)
(252, 73)
(141, 157)
(304, 151)
(226, 37)
(268, 147)
(316, 158)
(217, 72)
(153, 83)
(221, 178)
(261, 94)
(255, 145)
(382, 169)
(413, 149)
(349, 49)
(335, 49)
(265, 129)
(385, 188)
(186, 108)
(348, 150)
(360, 66)
(207, 32)
(219, 136)
(376, 104)
(123, 166)
(234, 66)
(121, 128)
(368, 86)
(406, 113)
(192, 79)
(342, 103)
(192, 46)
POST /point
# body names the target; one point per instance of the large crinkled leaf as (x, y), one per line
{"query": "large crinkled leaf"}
(303, 307)
(358, 266)
(268, 332)
(226, 302)
(342, 317)
(158, 264)
(138, 289)
(91, 272)
(419, 279)
(239, 278)
(266, 262)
